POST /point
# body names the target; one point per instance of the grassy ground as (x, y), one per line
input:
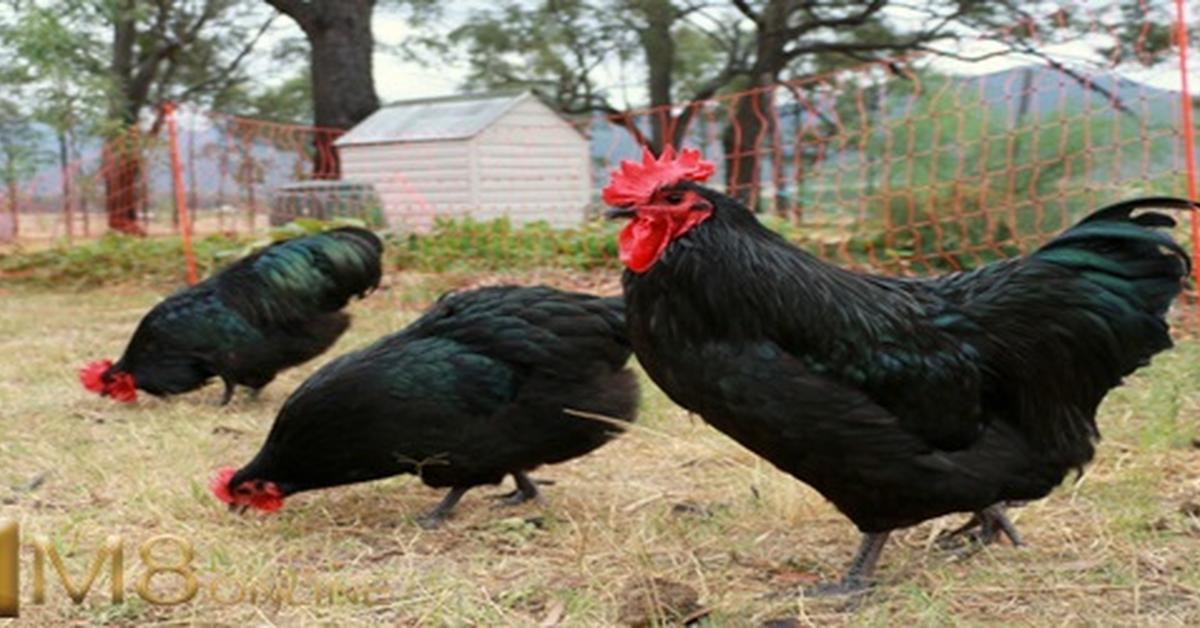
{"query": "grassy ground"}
(672, 513)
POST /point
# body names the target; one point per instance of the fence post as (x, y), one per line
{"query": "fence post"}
(1189, 131)
(181, 208)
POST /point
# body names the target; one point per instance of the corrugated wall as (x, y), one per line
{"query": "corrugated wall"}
(415, 180)
(531, 165)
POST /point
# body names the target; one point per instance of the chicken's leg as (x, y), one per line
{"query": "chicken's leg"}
(862, 567)
(228, 396)
(525, 491)
(982, 529)
(435, 517)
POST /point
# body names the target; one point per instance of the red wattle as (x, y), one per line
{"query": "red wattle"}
(643, 240)
(122, 388)
(648, 234)
(268, 501)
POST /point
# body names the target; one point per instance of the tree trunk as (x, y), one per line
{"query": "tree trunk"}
(223, 169)
(343, 86)
(14, 207)
(753, 115)
(64, 165)
(122, 155)
(746, 138)
(123, 183)
(251, 202)
(193, 193)
(658, 47)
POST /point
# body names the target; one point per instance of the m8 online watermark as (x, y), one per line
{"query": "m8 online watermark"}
(167, 578)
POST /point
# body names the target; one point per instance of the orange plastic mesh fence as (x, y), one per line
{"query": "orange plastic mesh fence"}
(231, 169)
(925, 172)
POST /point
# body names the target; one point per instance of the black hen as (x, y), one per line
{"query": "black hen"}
(481, 386)
(266, 312)
(898, 400)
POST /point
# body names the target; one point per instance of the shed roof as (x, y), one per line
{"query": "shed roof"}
(432, 119)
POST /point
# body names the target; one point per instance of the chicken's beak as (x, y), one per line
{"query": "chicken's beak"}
(620, 212)
(238, 508)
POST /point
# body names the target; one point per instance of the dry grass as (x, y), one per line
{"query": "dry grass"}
(672, 502)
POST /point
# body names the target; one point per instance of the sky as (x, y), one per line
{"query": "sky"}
(397, 79)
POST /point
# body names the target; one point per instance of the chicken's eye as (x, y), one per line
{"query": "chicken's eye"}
(242, 490)
(674, 198)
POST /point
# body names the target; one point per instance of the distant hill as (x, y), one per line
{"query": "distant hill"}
(1054, 98)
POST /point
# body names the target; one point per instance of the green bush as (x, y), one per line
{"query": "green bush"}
(459, 245)
(114, 259)
(466, 245)
(472, 246)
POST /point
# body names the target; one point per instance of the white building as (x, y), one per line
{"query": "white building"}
(483, 156)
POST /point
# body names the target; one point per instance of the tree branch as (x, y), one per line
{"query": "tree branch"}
(688, 9)
(744, 8)
(300, 11)
(818, 22)
(225, 76)
(189, 35)
(703, 94)
(1083, 81)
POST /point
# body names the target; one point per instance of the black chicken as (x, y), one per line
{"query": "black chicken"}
(266, 312)
(481, 386)
(899, 400)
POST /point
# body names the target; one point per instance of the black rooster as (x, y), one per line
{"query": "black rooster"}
(899, 400)
(481, 386)
(266, 312)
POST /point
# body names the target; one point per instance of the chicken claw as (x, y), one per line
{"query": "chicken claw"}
(982, 529)
(434, 518)
(526, 490)
(858, 577)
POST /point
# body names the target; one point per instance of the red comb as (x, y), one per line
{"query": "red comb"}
(634, 183)
(92, 375)
(219, 484)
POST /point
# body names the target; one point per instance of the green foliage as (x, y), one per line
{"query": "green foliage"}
(289, 102)
(20, 155)
(497, 245)
(697, 58)
(114, 259)
(556, 46)
(94, 66)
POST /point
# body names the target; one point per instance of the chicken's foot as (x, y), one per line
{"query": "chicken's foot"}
(858, 577)
(526, 490)
(982, 529)
(228, 396)
(435, 517)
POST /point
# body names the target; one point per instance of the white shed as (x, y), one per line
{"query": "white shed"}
(479, 156)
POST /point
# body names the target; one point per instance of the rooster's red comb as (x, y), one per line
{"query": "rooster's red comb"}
(92, 375)
(219, 484)
(634, 183)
